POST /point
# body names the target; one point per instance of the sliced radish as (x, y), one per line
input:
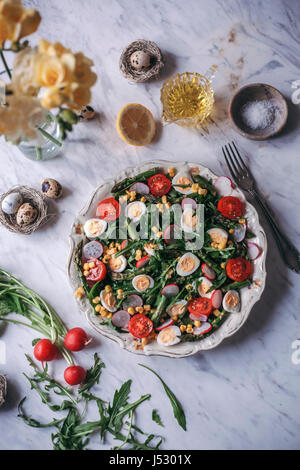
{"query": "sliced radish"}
(204, 328)
(120, 319)
(124, 244)
(188, 203)
(93, 249)
(200, 317)
(140, 188)
(170, 290)
(142, 262)
(169, 234)
(223, 185)
(166, 324)
(133, 300)
(254, 251)
(216, 298)
(239, 233)
(208, 272)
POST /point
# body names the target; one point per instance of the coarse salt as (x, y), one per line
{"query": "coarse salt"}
(258, 114)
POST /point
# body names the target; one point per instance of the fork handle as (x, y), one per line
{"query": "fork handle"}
(289, 253)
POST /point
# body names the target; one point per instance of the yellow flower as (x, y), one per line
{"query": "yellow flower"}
(79, 96)
(83, 73)
(52, 98)
(54, 71)
(16, 22)
(23, 76)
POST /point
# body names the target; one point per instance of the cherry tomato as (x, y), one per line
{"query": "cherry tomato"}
(98, 272)
(74, 375)
(140, 326)
(230, 207)
(238, 269)
(200, 306)
(44, 350)
(159, 184)
(108, 209)
(76, 339)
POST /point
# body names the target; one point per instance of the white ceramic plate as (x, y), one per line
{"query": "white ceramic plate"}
(248, 296)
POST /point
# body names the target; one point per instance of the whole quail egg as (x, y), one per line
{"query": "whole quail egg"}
(51, 188)
(11, 203)
(87, 113)
(26, 214)
(140, 60)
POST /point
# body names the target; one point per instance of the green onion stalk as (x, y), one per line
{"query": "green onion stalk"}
(15, 297)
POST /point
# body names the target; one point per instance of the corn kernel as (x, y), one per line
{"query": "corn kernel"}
(195, 187)
(139, 309)
(96, 300)
(120, 291)
(159, 234)
(107, 288)
(223, 265)
(79, 293)
(197, 323)
(98, 308)
(242, 221)
(164, 199)
(189, 330)
(109, 315)
(132, 195)
(202, 191)
(131, 311)
(175, 317)
(168, 205)
(171, 172)
(143, 199)
(182, 328)
(86, 273)
(147, 308)
(216, 312)
(152, 310)
(189, 286)
(86, 266)
(91, 265)
(112, 244)
(231, 230)
(118, 245)
(189, 325)
(154, 229)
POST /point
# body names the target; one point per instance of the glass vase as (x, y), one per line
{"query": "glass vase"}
(47, 146)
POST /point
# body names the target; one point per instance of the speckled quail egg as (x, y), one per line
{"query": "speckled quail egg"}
(11, 203)
(140, 60)
(26, 214)
(87, 113)
(231, 301)
(51, 188)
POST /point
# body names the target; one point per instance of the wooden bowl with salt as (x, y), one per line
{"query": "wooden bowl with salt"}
(258, 111)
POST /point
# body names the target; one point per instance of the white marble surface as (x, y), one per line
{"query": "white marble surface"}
(242, 395)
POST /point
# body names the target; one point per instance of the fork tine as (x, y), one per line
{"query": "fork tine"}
(235, 158)
(232, 160)
(239, 155)
(228, 164)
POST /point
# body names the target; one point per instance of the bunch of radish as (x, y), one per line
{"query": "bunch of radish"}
(75, 340)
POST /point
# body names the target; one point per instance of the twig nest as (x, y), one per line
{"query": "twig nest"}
(141, 61)
(51, 188)
(3, 389)
(30, 215)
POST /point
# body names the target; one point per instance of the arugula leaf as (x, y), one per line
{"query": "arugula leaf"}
(33, 422)
(156, 418)
(177, 408)
(92, 375)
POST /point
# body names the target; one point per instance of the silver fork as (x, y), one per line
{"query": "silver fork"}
(244, 179)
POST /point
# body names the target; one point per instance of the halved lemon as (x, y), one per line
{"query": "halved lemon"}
(136, 124)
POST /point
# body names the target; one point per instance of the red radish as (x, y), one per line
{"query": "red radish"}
(254, 251)
(74, 375)
(142, 262)
(208, 272)
(124, 244)
(93, 249)
(166, 324)
(195, 317)
(216, 298)
(223, 185)
(204, 328)
(140, 188)
(121, 319)
(188, 203)
(171, 234)
(133, 300)
(45, 351)
(76, 339)
(170, 290)
(239, 233)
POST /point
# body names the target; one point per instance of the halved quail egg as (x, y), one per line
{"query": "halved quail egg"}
(142, 282)
(135, 210)
(183, 178)
(219, 237)
(117, 264)
(108, 300)
(188, 220)
(231, 301)
(187, 264)
(93, 228)
(169, 336)
(204, 286)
